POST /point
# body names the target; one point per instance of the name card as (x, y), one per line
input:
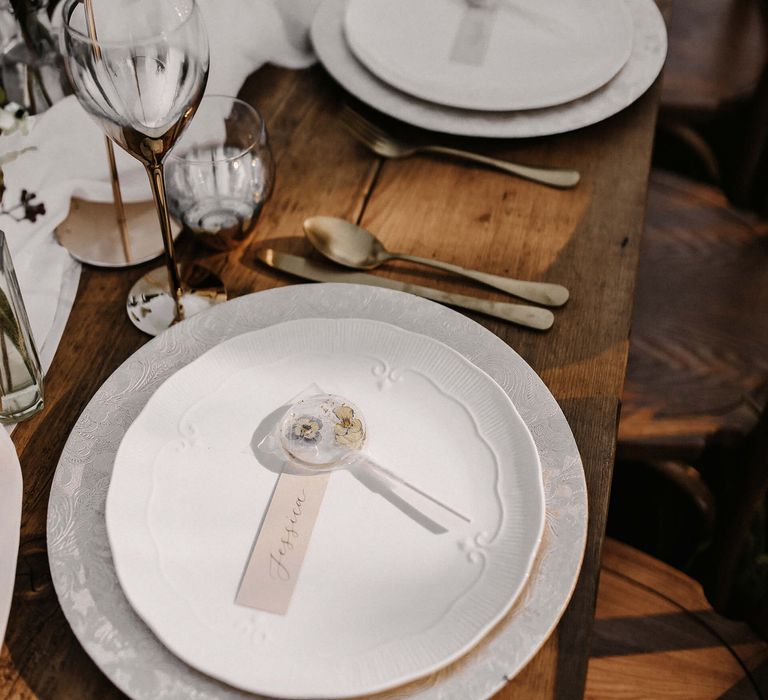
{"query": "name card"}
(474, 36)
(275, 563)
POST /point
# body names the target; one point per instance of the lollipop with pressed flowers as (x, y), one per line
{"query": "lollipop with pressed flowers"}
(324, 432)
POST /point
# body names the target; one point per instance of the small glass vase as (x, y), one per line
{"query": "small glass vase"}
(31, 72)
(21, 376)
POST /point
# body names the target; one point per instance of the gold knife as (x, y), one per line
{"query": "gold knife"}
(529, 316)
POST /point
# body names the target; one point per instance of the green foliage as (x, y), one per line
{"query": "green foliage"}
(9, 324)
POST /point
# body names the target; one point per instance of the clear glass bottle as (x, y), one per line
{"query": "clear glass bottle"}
(21, 376)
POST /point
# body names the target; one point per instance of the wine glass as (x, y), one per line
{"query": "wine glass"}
(139, 68)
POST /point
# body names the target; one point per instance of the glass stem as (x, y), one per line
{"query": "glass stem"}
(157, 180)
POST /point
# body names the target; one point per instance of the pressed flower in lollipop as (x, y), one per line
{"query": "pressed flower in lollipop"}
(323, 432)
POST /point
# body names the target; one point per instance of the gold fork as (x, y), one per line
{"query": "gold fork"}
(387, 146)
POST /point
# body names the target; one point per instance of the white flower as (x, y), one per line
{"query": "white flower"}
(13, 117)
(349, 430)
(7, 120)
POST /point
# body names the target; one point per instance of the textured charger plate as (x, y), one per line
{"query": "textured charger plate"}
(381, 600)
(81, 564)
(649, 48)
(514, 54)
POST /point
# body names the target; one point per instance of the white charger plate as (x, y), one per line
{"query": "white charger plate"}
(649, 49)
(381, 600)
(506, 55)
(83, 574)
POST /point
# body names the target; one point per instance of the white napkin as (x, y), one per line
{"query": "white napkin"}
(62, 156)
(67, 158)
(10, 522)
(245, 34)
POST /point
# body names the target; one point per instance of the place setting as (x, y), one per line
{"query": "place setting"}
(180, 525)
(294, 476)
(496, 68)
(339, 489)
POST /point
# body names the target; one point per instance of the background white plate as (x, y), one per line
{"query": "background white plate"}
(523, 54)
(381, 600)
(81, 564)
(649, 48)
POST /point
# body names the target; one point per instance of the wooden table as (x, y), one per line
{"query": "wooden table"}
(587, 239)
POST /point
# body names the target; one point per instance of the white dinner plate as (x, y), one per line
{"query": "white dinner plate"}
(502, 55)
(381, 599)
(116, 638)
(649, 48)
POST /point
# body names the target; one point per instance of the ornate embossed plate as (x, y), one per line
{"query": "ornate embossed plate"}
(83, 573)
(502, 55)
(649, 49)
(381, 599)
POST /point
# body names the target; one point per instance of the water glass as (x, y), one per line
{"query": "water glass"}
(21, 377)
(220, 174)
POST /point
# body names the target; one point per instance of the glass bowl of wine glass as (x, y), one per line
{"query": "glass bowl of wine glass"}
(220, 173)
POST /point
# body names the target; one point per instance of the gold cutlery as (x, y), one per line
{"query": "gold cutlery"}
(529, 316)
(388, 146)
(353, 246)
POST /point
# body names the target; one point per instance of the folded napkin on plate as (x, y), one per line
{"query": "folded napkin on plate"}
(62, 154)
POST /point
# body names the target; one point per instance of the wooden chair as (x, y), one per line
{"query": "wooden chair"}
(698, 364)
(694, 397)
(717, 49)
(655, 636)
(713, 101)
(699, 340)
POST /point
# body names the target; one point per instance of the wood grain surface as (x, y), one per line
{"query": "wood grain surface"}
(698, 337)
(587, 239)
(656, 636)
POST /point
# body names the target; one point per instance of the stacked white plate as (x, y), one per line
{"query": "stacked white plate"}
(494, 68)
(381, 599)
(148, 575)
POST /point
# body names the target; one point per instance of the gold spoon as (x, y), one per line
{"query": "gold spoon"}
(352, 246)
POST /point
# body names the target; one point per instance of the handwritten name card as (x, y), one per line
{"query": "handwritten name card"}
(277, 556)
(471, 43)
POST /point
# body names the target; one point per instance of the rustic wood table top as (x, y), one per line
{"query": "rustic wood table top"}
(587, 239)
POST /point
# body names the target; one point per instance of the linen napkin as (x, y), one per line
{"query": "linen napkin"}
(62, 154)
(10, 522)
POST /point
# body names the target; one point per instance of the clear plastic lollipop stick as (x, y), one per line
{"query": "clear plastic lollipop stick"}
(327, 432)
(423, 494)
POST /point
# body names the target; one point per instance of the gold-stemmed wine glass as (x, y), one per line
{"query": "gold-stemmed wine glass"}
(139, 68)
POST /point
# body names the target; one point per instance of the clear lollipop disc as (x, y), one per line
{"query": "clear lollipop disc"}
(323, 431)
